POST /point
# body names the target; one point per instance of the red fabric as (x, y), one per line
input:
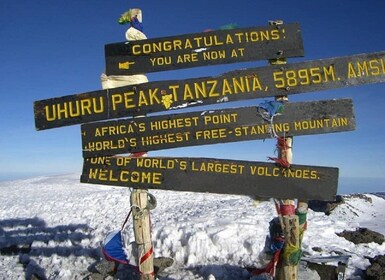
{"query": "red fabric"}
(145, 257)
(111, 259)
(287, 209)
(138, 154)
(282, 144)
(270, 267)
(281, 161)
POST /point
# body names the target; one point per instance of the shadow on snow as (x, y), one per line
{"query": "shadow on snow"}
(31, 237)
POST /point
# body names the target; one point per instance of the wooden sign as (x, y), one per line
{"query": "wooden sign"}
(218, 126)
(207, 48)
(237, 85)
(213, 176)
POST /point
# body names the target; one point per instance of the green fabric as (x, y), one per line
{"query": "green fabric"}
(301, 217)
(125, 18)
(292, 254)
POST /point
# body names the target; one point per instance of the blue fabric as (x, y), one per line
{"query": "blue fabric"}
(272, 107)
(136, 24)
(277, 244)
(113, 248)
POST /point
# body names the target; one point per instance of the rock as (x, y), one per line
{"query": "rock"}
(105, 267)
(325, 272)
(325, 206)
(35, 277)
(95, 276)
(362, 235)
(305, 273)
(361, 196)
(161, 263)
(317, 249)
(376, 270)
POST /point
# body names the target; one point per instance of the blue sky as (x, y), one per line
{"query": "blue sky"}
(55, 48)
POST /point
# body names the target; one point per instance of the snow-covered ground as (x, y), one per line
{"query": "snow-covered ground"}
(209, 236)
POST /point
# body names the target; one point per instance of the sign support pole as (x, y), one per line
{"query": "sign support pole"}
(287, 270)
(142, 232)
(139, 197)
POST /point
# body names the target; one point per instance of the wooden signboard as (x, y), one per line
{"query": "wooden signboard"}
(237, 85)
(207, 48)
(213, 176)
(217, 126)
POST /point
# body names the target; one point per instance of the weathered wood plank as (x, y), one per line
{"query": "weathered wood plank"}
(237, 85)
(217, 126)
(201, 49)
(214, 176)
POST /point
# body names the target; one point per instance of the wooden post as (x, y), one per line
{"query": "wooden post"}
(142, 232)
(286, 270)
(139, 197)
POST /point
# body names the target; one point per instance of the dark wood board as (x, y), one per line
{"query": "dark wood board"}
(202, 49)
(216, 126)
(252, 83)
(214, 176)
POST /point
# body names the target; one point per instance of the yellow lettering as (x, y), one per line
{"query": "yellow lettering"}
(256, 84)
(187, 44)
(174, 123)
(312, 124)
(187, 94)
(128, 100)
(187, 57)
(178, 45)
(329, 73)
(264, 171)
(116, 99)
(48, 116)
(200, 89)
(142, 99)
(123, 161)
(351, 71)
(374, 67)
(275, 35)
(72, 109)
(100, 160)
(229, 39)
(136, 50)
(300, 174)
(362, 68)
(220, 119)
(165, 138)
(212, 55)
(217, 167)
(213, 84)
(210, 134)
(183, 165)
(226, 88)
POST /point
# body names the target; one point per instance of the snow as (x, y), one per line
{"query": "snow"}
(209, 236)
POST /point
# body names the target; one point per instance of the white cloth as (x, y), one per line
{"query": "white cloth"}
(113, 81)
